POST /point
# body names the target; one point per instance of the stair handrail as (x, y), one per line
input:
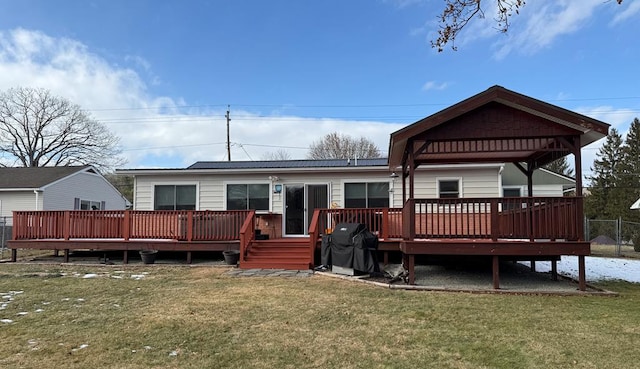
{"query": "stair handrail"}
(314, 233)
(247, 234)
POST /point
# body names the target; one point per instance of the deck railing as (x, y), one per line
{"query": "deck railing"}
(494, 218)
(247, 234)
(385, 222)
(182, 225)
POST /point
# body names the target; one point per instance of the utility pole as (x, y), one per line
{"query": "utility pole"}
(228, 139)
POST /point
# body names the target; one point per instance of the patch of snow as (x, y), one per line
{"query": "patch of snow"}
(6, 321)
(89, 275)
(66, 299)
(597, 268)
(83, 346)
(137, 277)
(46, 303)
(147, 347)
(80, 300)
(116, 276)
(39, 310)
(173, 353)
(22, 313)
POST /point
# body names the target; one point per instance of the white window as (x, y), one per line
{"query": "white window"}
(81, 204)
(449, 188)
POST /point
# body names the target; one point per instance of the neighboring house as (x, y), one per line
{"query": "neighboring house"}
(285, 193)
(545, 183)
(56, 188)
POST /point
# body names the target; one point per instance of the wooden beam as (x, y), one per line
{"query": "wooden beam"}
(412, 270)
(554, 270)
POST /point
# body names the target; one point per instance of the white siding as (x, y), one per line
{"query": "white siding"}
(476, 182)
(17, 200)
(86, 186)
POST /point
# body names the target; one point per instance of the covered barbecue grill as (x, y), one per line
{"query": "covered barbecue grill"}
(350, 248)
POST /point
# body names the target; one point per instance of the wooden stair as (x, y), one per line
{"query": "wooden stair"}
(281, 253)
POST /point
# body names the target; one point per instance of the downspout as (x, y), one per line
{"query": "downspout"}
(37, 199)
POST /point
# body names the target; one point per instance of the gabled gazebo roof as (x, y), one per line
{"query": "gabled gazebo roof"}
(497, 125)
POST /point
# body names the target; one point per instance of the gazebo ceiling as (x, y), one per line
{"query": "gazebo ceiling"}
(497, 125)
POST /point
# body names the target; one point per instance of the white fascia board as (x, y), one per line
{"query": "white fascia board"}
(20, 189)
(352, 169)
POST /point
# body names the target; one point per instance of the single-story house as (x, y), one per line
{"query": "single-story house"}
(56, 188)
(285, 193)
(466, 180)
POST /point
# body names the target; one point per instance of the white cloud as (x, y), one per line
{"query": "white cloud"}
(632, 8)
(620, 119)
(158, 131)
(541, 24)
(433, 85)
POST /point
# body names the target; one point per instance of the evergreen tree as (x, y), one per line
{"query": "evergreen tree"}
(603, 200)
(560, 166)
(630, 171)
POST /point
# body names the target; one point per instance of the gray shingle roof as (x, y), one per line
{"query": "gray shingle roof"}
(34, 177)
(328, 163)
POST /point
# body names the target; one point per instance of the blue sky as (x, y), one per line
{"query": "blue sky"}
(160, 74)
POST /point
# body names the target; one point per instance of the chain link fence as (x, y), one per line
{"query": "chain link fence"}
(613, 237)
(5, 234)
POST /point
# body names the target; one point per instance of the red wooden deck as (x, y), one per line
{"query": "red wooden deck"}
(527, 228)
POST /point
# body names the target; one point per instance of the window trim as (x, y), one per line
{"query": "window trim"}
(174, 183)
(449, 179)
(343, 193)
(234, 182)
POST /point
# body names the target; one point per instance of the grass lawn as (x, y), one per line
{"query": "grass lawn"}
(181, 317)
(626, 251)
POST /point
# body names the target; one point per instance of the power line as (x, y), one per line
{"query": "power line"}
(332, 106)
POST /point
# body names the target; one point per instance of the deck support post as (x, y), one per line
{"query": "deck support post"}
(496, 272)
(66, 255)
(188, 257)
(582, 280)
(14, 255)
(533, 265)
(56, 252)
(554, 270)
(125, 257)
(385, 258)
(410, 263)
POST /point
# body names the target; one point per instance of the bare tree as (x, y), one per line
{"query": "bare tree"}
(38, 129)
(280, 154)
(339, 146)
(457, 13)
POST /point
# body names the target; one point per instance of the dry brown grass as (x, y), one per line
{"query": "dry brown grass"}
(181, 317)
(626, 251)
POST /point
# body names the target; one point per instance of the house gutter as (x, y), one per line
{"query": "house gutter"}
(355, 169)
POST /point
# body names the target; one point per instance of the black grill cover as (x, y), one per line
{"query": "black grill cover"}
(353, 246)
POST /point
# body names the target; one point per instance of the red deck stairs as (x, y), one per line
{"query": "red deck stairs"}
(282, 253)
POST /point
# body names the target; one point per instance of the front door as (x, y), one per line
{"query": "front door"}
(300, 203)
